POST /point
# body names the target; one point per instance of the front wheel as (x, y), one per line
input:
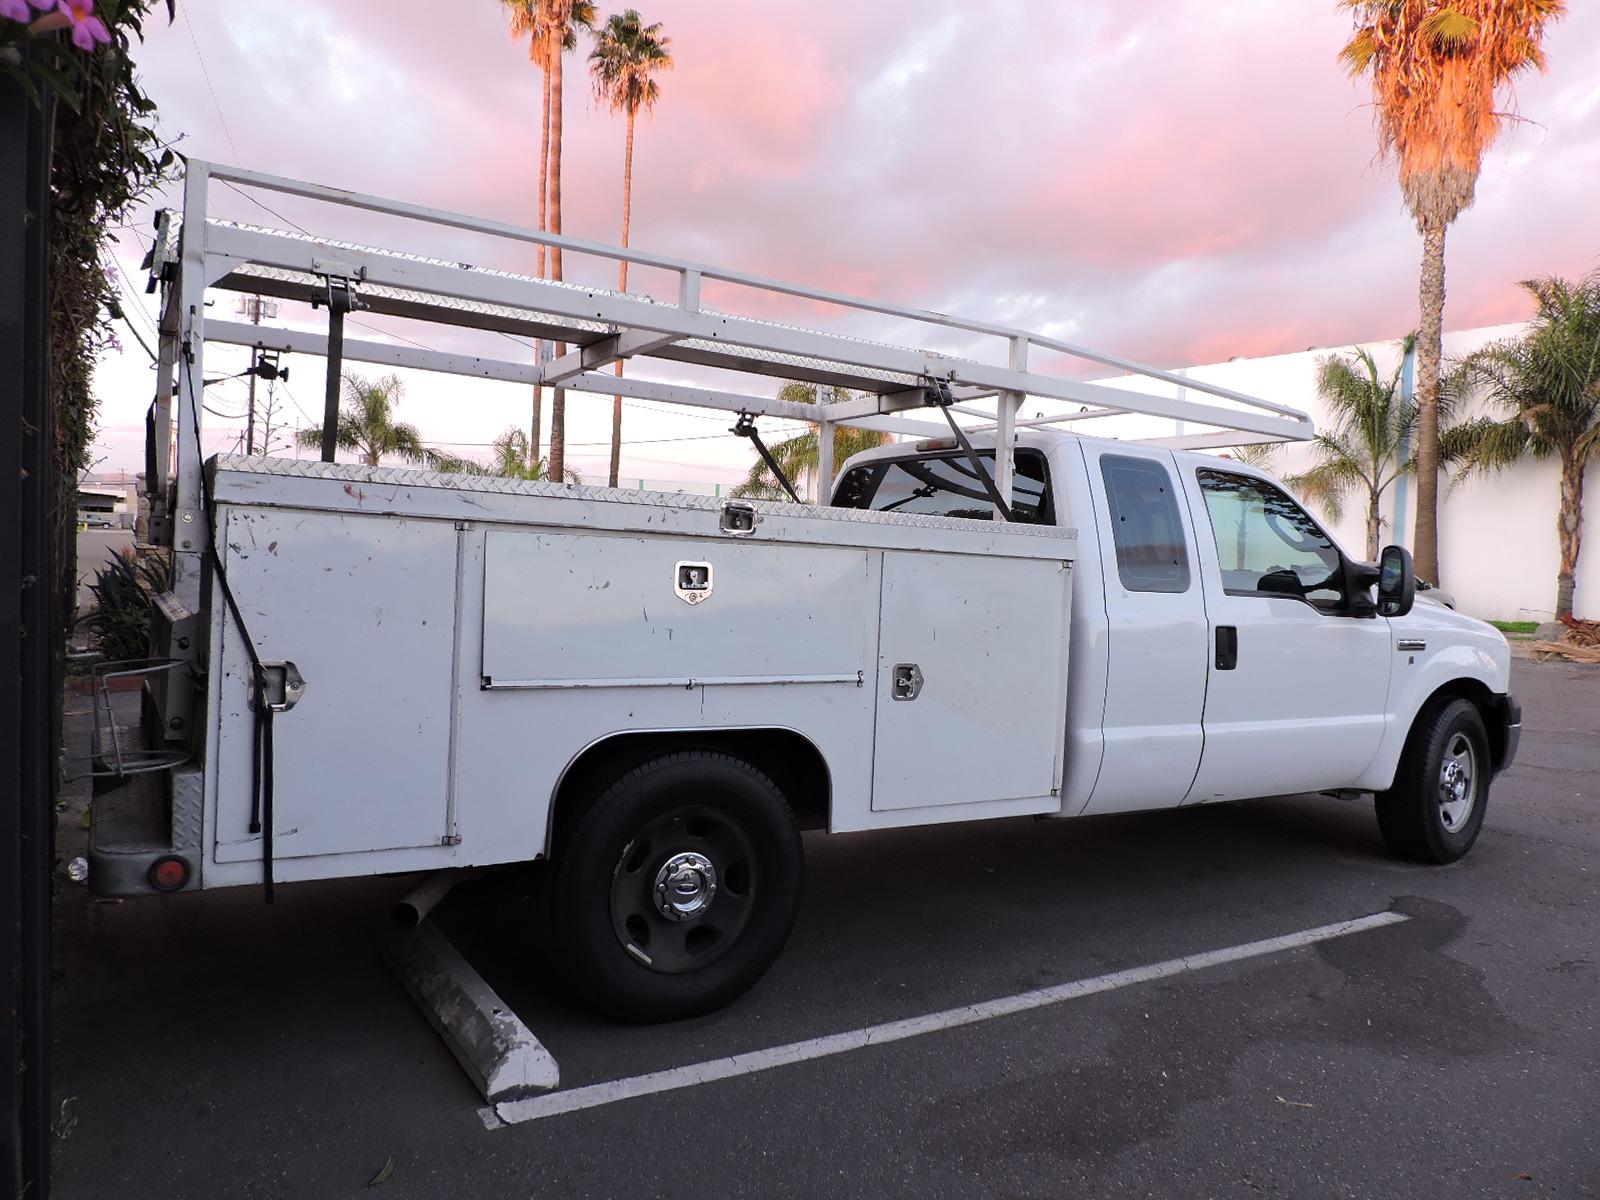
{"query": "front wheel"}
(678, 888)
(1435, 809)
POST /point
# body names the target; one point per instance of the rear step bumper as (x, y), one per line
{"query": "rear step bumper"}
(139, 822)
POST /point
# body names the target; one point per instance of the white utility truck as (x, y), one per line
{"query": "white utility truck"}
(367, 670)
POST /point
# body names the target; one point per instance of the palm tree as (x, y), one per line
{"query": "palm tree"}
(627, 56)
(1436, 68)
(367, 426)
(1372, 421)
(529, 19)
(1257, 454)
(563, 19)
(509, 457)
(1548, 384)
(800, 454)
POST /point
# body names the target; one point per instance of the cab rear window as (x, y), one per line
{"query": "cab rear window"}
(945, 485)
(1151, 552)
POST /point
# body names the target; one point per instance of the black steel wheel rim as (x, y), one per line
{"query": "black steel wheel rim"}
(680, 944)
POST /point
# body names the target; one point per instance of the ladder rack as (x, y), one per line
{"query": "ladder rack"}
(599, 328)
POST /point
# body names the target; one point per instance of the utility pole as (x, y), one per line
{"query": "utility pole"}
(250, 420)
(252, 306)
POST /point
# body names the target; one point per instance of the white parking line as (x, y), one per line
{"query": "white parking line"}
(513, 1112)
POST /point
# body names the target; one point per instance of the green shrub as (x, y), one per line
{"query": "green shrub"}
(124, 591)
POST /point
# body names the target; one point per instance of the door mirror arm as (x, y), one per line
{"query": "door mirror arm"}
(1358, 580)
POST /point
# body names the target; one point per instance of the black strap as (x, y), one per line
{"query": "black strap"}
(938, 396)
(264, 715)
(261, 756)
(746, 427)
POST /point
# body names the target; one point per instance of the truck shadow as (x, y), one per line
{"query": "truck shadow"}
(900, 922)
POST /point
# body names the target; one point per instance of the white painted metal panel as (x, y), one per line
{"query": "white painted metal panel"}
(365, 607)
(572, 610)
(1305, 709)
(989, 637)
(1156, 676)
(493, 501)
(797, 600)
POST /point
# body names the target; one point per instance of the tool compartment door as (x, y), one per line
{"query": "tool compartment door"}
(364, 606)
(983, 641)
(588, 610)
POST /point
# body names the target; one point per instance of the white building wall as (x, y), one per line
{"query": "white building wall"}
(1497, 537)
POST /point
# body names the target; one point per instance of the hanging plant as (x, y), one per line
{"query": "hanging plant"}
(72, 59)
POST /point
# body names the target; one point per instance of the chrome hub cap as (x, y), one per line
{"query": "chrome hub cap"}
(1458, 773)
(685, 886)
(684, 889)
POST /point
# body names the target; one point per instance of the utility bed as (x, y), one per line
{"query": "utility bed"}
(463, 638)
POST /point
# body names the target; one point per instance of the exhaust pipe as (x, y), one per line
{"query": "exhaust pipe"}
(415, 905)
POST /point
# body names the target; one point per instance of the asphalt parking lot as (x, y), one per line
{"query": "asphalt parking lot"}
(210, 1047)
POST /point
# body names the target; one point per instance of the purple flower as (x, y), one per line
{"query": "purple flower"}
(87, 29)
(16, 10)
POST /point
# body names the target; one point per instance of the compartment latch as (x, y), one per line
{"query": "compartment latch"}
(907, 682)
(284, 685)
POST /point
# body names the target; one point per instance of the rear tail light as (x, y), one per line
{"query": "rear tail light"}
(169, 874)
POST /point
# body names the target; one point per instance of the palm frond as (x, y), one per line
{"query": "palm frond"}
(1439, 72)
(1449, 29)
(367, 425)
(1327, 483)
(1545, 383)
(1369, 421)
(1482, 446)
(1256, 454)
(627, 56)
(801, 453)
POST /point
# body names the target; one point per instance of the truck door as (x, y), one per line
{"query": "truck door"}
(1297, 687)
(1156, 625)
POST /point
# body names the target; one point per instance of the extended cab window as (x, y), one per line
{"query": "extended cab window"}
(944, 485)
(1266, 543)
(1151, 553)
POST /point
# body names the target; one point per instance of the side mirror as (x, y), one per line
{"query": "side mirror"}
(1397, 583)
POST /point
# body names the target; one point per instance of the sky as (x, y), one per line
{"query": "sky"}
(1173, 181)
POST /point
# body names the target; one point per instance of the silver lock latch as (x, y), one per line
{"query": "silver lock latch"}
(907, 681)
(739, 518)
(692, 582)
(284, 685)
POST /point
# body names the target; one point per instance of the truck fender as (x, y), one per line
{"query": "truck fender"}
(786, 756)
(1460, 670)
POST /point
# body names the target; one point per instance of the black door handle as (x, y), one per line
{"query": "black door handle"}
(1227, 647)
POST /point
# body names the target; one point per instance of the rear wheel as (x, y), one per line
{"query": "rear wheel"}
(1436, 807)
(678, 888)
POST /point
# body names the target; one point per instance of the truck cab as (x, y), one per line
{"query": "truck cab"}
(1223, 645)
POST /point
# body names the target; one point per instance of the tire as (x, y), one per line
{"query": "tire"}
(678, 888)
(1434, 810)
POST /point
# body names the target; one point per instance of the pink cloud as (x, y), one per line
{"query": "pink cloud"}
(1175, 180)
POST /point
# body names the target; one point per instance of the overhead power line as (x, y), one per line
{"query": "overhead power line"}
(206, 75)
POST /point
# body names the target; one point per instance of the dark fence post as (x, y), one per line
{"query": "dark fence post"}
(32, 536)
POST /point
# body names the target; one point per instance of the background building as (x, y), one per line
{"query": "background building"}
(1497, 534)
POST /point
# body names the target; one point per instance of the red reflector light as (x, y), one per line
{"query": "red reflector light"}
(169, 874)
(936, 444)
